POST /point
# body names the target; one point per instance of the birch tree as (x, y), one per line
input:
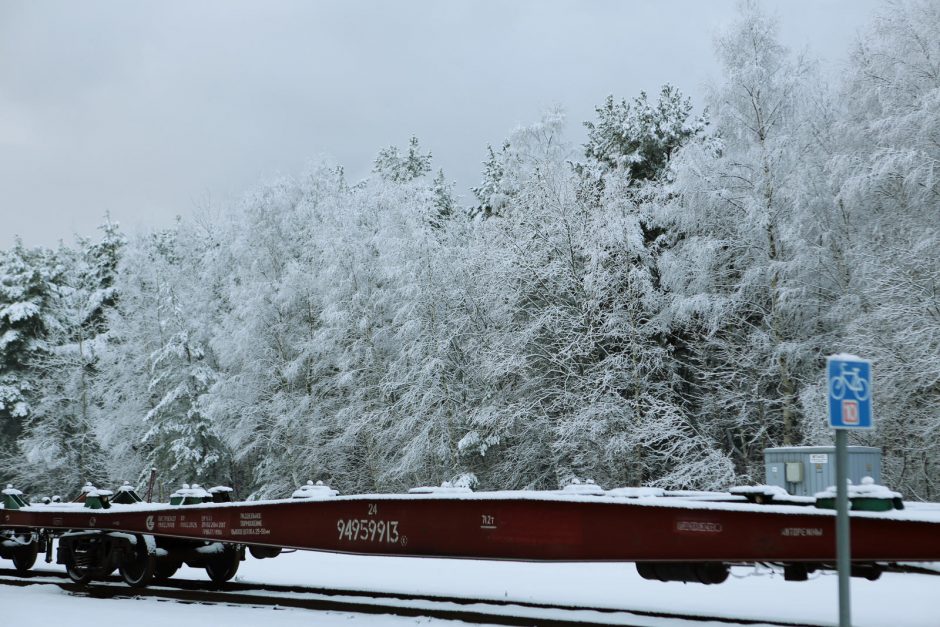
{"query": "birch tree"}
(887, 167)
(735, 273)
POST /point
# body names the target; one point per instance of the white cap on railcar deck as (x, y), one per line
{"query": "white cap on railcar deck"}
(868, 488)
(636, 493)
(445, 488)
(588, 488)
(314, 491)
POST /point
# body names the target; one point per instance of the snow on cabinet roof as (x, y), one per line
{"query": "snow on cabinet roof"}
(820, 449)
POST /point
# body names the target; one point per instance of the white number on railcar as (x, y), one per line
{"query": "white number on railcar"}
(368, 530)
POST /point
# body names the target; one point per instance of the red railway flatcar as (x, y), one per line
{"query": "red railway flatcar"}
(677, 536)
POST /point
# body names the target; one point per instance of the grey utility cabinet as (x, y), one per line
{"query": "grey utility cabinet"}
(806, 470)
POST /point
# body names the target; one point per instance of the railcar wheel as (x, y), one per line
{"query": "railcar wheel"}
(264, 552)
(138, 567)
(223, 567)
(25, 556)
(77, 571)
(165, 570)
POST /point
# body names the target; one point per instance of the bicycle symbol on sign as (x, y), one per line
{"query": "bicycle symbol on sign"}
(849, 379)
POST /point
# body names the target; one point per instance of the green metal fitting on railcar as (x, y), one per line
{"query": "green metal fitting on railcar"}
(12, 498)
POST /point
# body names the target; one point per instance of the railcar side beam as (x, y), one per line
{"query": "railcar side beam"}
(515, 526)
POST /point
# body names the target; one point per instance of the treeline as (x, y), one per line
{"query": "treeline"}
(654, 307)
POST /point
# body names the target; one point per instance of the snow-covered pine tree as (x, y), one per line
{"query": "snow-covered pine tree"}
(60, 445)
(625, 165)
(158, 367)
(444, 202)
(636, 139)
(27, 288)
(576, 376)
(391, 165)
(527, 151)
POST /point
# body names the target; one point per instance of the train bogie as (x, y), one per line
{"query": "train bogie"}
(219, 559)
(264, 552)
(22, 548)
(699, 572)
(89, 555)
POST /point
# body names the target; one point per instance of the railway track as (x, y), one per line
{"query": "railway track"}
(474, 611)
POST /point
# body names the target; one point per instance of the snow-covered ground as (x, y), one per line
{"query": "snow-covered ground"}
(33, 606)
(898, 600)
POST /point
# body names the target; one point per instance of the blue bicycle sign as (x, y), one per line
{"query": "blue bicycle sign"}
(849, 379)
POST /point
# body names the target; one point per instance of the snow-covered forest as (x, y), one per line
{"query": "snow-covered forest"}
(652, 307)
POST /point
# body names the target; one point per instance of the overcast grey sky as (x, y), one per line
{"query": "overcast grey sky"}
(146, 109)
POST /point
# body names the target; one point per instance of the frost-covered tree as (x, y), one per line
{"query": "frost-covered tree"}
(27, 288)
(59, 446)
(580, 374)
(736, 271)
(270, 399)
(886, 165)
(655, 314)
(392, 166)
(158, 366)
(636, 139)
(526, 153)
(444, 201)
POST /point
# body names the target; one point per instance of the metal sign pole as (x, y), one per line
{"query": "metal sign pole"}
(850, 407)
(843, 544)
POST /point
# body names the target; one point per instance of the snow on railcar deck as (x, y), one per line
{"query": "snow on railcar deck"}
(713, 501)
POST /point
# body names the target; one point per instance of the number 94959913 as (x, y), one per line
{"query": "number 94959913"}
(368, 530)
